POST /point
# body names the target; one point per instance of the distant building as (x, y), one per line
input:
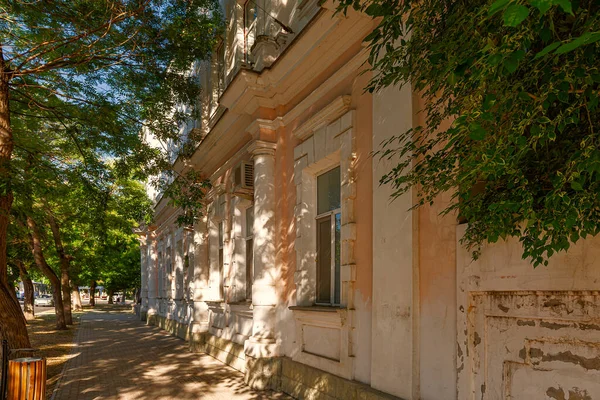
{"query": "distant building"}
(306, 277)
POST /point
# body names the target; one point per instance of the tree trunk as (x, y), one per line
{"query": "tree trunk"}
(76, 299)
(28, 308)
(65, 262)
(12, 322)
(110, 296)
(92, 293)
(40, 261)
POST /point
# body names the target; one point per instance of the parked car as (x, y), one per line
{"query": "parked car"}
(103, 296)
(44, 300)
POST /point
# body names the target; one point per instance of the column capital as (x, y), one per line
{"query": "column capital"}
(261, 147)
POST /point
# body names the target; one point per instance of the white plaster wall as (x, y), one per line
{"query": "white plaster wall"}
(524, 332)
(393, 285)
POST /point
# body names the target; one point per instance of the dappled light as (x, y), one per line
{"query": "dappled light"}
(118, 357)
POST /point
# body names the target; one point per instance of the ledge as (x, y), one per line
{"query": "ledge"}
(316, 308)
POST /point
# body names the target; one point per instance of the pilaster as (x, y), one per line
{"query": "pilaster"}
(264, 295)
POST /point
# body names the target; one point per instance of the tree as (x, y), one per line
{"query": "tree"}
(111, 67)
(40, 261)
(28, 298)
(520, 83)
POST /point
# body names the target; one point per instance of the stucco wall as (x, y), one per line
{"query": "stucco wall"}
(392, 341)
(528, 333)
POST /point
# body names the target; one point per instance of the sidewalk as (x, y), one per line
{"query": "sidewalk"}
(118, 357)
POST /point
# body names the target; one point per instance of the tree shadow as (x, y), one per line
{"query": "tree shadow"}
(118, 357)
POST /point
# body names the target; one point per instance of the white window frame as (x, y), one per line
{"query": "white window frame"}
(221, 255)
(332, 221)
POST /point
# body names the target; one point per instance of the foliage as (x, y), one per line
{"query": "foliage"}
(186, 192)
(93, 202)
(511, 113)
(117, 64)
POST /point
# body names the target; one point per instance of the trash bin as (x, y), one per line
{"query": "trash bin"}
(27, 378)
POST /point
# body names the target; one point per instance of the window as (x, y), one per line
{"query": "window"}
(161, 275)
(179, 271)
(221, 269)
(249, 251)
(169, 275)
(329, 224)
(250, 14)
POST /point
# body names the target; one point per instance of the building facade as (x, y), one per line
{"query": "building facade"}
(304, 275)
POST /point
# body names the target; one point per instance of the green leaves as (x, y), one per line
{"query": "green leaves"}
(586, 38)
(515, 14)
(520, 79)
(542, 5)
(477, 132)
(548, 49)
(497, 6)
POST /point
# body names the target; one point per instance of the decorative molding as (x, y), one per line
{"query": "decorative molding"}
(261, 147)
(215, 191)
(328, 114)
(255, 127)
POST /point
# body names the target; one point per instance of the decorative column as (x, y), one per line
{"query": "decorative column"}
(152, 279)
(144, 274)
(200, 274)
(263, 344)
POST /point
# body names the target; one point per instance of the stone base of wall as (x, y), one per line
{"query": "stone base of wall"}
(223, 350)
(280, 374)
(174, 327)
(263, 373)
(304, 382)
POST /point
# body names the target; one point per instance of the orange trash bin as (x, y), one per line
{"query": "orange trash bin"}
(27, 378)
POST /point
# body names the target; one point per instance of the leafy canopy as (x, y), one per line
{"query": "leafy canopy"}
(111, 68)
(519, 81)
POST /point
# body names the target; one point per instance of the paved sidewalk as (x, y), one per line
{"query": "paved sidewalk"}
(118, 357)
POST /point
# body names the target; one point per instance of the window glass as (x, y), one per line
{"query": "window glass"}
(249, 267)
(328, 191)
(249, 221)
(324, 260)
(220, 234)
(338, 230)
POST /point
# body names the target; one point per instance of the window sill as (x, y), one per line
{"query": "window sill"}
(318, 308)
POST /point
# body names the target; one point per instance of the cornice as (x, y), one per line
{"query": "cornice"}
(328, 114)
(255, 127)
(261, 147)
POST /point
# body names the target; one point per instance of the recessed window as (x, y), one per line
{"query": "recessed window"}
(179, 273)
(169, 275)
(249, 251)
(329, 224)
(221, 260)
(161, 275)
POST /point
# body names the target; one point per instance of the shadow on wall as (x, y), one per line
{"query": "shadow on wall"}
(118, 356)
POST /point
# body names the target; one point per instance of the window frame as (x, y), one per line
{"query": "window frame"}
(335, 281)
(221, 255)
